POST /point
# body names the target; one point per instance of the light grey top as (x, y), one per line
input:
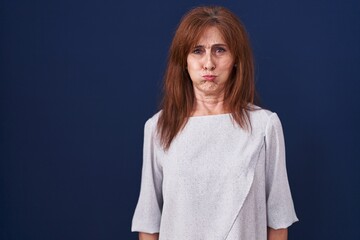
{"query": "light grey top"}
(217, 181)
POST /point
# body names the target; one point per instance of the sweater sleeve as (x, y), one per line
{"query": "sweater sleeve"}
(280, 207)
(148, 210)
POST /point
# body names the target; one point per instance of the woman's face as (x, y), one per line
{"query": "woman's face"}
(210, 63)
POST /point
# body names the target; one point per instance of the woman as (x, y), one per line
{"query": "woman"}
(214, 163)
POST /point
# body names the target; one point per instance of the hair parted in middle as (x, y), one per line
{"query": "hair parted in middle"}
(178, 93)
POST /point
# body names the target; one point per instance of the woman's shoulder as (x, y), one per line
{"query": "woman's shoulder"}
(259, 112)
(152, 121)
(261, 118)
(156, 116)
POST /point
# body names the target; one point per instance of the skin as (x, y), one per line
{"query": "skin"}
(209, 65)
(278, 234)
(147, 236)
(210, 57)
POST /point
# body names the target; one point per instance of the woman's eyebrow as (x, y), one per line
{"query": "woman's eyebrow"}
(214, 45)
(219, 45)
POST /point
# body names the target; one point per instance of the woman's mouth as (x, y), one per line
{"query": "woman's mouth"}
(209, 77)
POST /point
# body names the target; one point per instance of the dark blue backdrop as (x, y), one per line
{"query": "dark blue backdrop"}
(79, 78)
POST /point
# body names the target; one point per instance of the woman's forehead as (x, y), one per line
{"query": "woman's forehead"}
(209, 36)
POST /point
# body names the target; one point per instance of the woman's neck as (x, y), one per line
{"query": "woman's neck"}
(209, 105)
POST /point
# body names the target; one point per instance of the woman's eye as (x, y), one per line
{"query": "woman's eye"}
(220, 50)
(197, 51)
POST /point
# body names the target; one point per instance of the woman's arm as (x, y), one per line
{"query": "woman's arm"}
(147, 236)
(279, 234)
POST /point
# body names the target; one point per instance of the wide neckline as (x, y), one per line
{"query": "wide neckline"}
(210, 116)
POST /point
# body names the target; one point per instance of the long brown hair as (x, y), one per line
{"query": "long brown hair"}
(178, 93)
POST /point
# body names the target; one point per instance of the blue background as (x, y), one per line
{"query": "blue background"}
(78, 79)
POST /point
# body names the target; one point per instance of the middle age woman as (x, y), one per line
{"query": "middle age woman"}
(214, 163)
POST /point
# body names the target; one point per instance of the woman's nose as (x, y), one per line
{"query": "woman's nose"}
(209, 63)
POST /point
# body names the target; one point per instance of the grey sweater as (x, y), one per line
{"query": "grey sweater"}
(217, 181)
